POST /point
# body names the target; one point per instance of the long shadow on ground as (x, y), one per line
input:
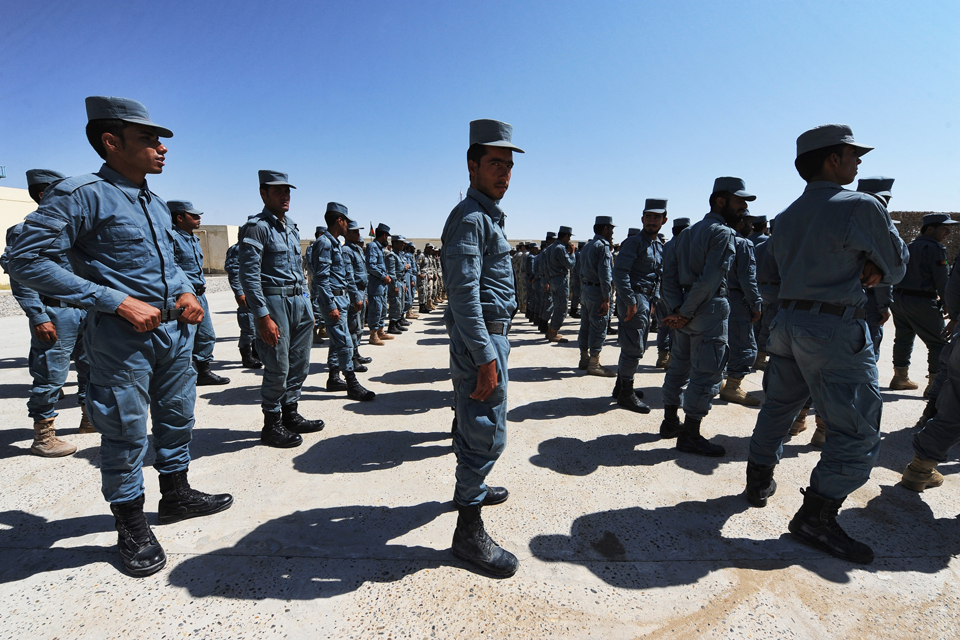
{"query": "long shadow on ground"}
(360, 452)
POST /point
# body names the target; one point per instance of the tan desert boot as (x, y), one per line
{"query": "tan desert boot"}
(663, 360)
(901, 380)
(411, 315)
(594, 368)
(554, 336)
(820, 435)
(383, 335)
(761, 362)
(731, 392)
(85, 425)
(46, 443)
(921, 474)
(375, 338)
(800, 424)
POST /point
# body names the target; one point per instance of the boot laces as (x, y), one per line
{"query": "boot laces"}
(138, 530)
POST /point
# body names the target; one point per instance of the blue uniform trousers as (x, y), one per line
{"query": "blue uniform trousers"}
(376, 304)
(340, 354)
(204, 338)
(698, 356)
(355, 325)
(915, 316)
(762, 329)
(742, 343)
(942, 432)
(874, 326)
(129, 373)
(559, 292)
(315, 299)
(546, 300)
(831, 359)
(632, 337)
(593, 324)
(248, 331)
(664, 333)
(286, 365)
(396, 301)
(49, 362)
(481, 426)
(533, 296)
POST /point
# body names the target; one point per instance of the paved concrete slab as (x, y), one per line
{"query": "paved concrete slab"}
(347, 536)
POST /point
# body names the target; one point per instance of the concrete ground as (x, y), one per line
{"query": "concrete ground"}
(348, 536)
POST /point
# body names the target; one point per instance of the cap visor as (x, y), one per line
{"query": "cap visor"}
(277, 184)
(749, 197)
(506, 145)
(654, 210)
(861, 148)
(162, 132)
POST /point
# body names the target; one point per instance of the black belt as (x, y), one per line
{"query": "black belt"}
(917, 292)
(336, 292)
(721, 292)
(498, 328)
(295, 290)
(54, 302)
(166, 315)
(647, 291)
(200, 290)
(832, 309)
(590, 284)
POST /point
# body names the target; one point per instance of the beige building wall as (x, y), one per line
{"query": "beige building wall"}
(15, 204)
(215, 239)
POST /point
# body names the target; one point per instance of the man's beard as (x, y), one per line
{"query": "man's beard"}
(731, 216)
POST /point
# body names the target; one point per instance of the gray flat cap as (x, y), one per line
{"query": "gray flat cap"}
(110, 108)
(398, 239)
(270, 178)
(337, 207)
(632, 231)
(655, 205)
(681, 222)
(384, 228)
(827, 135)
(604, 220)
(320, 229)
(755, 219)
(43, 176)
(564, 230)
(492, 133)
(352, 224)
(183, 206)
(551, 235)
(877, 185)
(736, 186)
(937, 218)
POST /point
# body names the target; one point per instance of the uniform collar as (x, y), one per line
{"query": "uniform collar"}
(186, 234)
(330, 237)
(715, 217)
(272, 219)
(822, 184)
(492, 208)
(129, 189)
(928, 239)
(599, 237)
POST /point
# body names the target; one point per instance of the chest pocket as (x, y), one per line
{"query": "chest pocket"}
(275, 254)
(126, 245)
(496, 257)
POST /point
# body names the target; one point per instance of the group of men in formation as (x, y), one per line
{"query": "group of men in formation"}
(111, 276)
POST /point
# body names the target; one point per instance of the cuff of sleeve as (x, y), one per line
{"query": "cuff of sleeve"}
(259, 312)
(109, 300)
(484, 354)
(40, 318)
(237, 292)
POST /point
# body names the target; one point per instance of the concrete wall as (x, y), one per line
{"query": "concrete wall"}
(215, 239)
(15, 204)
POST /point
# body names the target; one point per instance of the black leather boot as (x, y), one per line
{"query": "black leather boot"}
(334, 381)
(760, 484)
(359, 358)
(359, 367)
(616, 391)
(495, 495)
(471, 543)
(295, 422)
(671, 427)
(627, 399)
(690, 440)
(206, 377)
(815, 524)
(355, 390)
(249, 359)
(180, 501)
(274, 434)
(403, 322)
(393, 329)
(142, 555)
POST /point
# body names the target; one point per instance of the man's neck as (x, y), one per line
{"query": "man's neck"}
(279, 215)
(136, 177)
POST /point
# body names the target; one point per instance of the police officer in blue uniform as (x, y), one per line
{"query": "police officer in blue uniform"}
(353, 252)
(879, 298)
(478, 276)
(378, 282)
(575, 282)
(319, 330)
(745, 306)
(56, 337)
(413, 275)
(247, 342)
(559, 260)
(189, 257)
(665, 333)
(758, 230)
(533, 285)
(396, 294)
(917, 301)
(596, 287)
(274, 285)
(141, 312)
(334, 276)
(546, 299)
(826, 246)
(695, 292)
(637, 276)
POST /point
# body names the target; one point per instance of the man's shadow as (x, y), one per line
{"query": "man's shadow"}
(360, 452)
(413, 376)
(318, 553)
(541, 374)
(560, 408)
(398, 403)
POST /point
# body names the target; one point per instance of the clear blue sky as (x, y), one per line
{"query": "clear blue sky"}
(368, 103)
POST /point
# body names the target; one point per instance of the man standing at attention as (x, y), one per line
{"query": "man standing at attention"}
(596, 287)
(559, 261)
(189, 257)
(274, 285)
(141, 309)
(377, 283)
(478, 277)
(353, 253)
(828, 245)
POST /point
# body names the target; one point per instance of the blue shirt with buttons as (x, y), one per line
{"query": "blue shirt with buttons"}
(189, 255)
(639, 268)
(117, 236)
(28, 299)
(331, 272)
(269, 257)
(597, 265)
(477, 272)
(376, 262)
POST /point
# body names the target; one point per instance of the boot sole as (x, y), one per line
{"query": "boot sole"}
(484, 569)
(187, 516)
(919, 486)
(146, 571)
(698, 452)
(58, 454)
(634, 408)
(289, 445)
(816, 544)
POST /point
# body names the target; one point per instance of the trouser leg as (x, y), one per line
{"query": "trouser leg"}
(79, 357)
(173, 394)
(679, 372)
(341, 344)
(632, 336)
(559, 304)
(49, 362)
(904, 334)
(301, 322)
(205, 337)
(942, 432)
(708, 357)
(247, 326)
(743, 347)
(276, 359)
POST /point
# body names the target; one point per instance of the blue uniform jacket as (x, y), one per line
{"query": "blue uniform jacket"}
(477, 272)
(639, 268)
(698, 264)
(28, 299)
(559, 262)
(354, 254)
(116, 236)
(531, 266)
(823, 240)
(269, 257)
(597, 265)
(188, 254)
(927, 269)
(743, 273)
(331, 270)
(232, 267)
(376, 263)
